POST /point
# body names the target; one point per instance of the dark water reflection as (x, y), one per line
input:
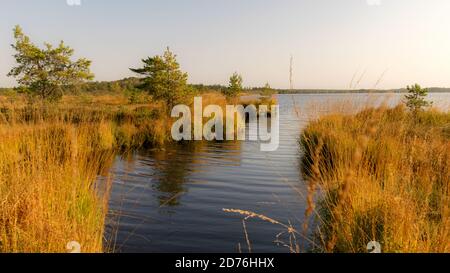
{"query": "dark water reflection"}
(172, 200)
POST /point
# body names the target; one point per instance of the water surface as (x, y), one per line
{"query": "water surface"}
(172, 200)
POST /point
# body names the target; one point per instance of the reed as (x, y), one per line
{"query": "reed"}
(382, 175)
(50, 157)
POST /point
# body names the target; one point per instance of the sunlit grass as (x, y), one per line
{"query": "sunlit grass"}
(50, 157)
(381, 175)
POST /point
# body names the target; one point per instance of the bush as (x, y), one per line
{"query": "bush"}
(415, 100)
(235, 86)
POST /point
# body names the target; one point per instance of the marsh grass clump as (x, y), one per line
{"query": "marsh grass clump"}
(47, 191)
(50, 157)
(51, 154)
(383, 175)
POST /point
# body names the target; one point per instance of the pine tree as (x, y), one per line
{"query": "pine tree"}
(163, 79)
(267, 90)
(234, 87)
(46, 72)
(415, 100)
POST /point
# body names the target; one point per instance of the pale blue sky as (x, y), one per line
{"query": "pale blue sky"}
(330, 40)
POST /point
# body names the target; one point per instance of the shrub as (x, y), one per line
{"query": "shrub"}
(46, 72)
(415, 100)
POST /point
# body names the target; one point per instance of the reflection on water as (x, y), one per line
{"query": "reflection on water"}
(172, 200)
(173, 165)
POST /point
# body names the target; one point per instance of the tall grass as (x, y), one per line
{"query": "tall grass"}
(50, 156)
(47, 195)
(380, 175)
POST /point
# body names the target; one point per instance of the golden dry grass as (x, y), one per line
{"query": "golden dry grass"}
(50, 157)
(381, 175)
(47, 193)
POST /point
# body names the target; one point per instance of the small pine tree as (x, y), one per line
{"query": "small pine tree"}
(46, 72)
(163, 79)
(267, 90)
(415, 100)
(234, 87)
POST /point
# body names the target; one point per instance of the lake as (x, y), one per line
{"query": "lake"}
(172, 200)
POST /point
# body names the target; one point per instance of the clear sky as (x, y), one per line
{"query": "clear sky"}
(332, 41)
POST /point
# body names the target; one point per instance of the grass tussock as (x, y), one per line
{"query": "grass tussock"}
(50, 156)
(47, 191)
(382, 174)
(267, 101)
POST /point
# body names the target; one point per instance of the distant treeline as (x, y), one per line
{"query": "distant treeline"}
(339, 91)
(127, 85)
(120, 86)
(130, 85)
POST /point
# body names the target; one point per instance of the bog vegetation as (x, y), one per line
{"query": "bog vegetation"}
(164, 80)
(59, 131)
(383, 174)
(45, 72)
(380, 175)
